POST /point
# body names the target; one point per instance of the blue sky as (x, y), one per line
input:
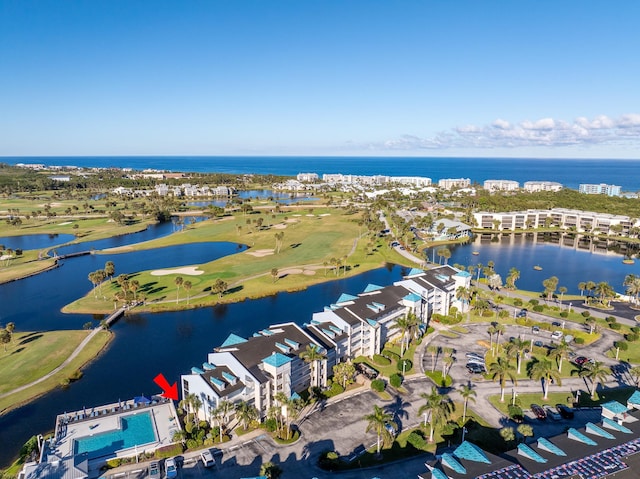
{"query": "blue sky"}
(235, 77)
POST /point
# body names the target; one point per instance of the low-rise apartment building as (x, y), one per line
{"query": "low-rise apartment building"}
(601, 189)
(572, 220)
(501, 185)
(533, 186)
(256, 369)
(449, 183)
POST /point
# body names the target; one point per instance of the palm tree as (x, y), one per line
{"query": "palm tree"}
(217, 416)
(591, 322)
(632, 282)
(559, 352)
(582, 286)
(433, 350)
(94, 282)
(550, 285)
(274, 274)
(544, 370)
(439, 407)
(500, 329)
(312, 356)
(246, 413)
(514, 275)
(491, 330)
(178, 281)
(378, 422)
(270, 470)
(110, 269)
(403, 323)
(468, 393)
(635, 374)
(133, 287)
(525, 430)
(517, 347)
(187, 287)
(596, 372)
(464, 296)
(501, 369)
(219, 287)
(605, 292)
(562, 290)
(590, 286)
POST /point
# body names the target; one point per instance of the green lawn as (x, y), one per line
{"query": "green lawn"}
(24, 361)
(308, 245)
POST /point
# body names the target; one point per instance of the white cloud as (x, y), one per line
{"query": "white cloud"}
(546, 132)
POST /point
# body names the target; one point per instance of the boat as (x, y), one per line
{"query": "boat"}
(537, 268)
(628, 261)
(475, 253)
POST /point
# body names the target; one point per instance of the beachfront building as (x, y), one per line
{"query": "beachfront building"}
(534, 186)
(256, 369)
(568, 219)
(339, 178)
(83, 441)
(501, 185)
(601, 189)
(450, 183)
(307, 177)
(444, 229)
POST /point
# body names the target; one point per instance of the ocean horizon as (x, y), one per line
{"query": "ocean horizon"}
(569, 172)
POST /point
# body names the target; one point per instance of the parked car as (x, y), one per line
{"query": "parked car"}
(565, 411)
(170, 469)
(539, 412)
(390, 430)
(551, 413)
(207, 458)
(538, 343)
(557, 335)
(535, 329)
(154, 470)
(556, 324)
(522, 313)
(581, 360)
(480, 362)
(475, 368)
(366, 370)
(475, 355)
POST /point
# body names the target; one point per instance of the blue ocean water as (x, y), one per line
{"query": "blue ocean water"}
(569, 172)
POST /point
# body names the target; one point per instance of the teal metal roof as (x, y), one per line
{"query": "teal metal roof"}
(452, 463)
(573, 433)
(229, 377)
(464, 274)
(611, 424)
(593, 429)
(276, 360)
(208, 366)
(471, 452)
(438, 474)
(344, 297)
(615, 407)
(232, 340)
(372, 287)
(292, 343)
(635, 398)
(372, 322)
(529, 453)
(217, 382)
(329, 333)
(413, 297)
(415, 271)
(195, 370)
(283, 347)
(547, 445)
(295, 395)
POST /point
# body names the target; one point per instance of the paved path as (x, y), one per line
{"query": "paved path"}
(73, 355)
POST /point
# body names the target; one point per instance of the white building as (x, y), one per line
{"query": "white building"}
(449, 183)
(533, 186)
(601, 189)
(501, 185)
(307, 177)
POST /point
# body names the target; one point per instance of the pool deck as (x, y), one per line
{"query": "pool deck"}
(75, 425)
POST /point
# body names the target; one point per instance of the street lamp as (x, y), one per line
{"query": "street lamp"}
(569, 307)
(404, 364)
(425, 419)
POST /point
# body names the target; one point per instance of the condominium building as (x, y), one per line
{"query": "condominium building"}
(307, 177)
(501, 185)
(601, 189)
(449, 183)
(256, 369)
(533, 186)
(574, 220)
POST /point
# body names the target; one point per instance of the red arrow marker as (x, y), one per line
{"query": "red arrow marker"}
(169, 392)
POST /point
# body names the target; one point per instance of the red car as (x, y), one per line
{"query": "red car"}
(581, 360)
(539, 412)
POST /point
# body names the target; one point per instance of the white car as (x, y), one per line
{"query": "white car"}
(154, 470)
(170, 469)
(556, 335)
(207, 458)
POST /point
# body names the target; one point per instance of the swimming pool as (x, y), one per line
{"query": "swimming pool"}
(136, 429)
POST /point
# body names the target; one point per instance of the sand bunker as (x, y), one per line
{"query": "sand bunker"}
(312, 216)
(188, 270)
(279, 226)
(259, 253)
(65, 223)
(289, 271)
(291, 221)
(297, 215)
(325, 214)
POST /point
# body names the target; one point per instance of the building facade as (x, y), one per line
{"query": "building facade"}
(501, 185)
(534, 186)
(601, 189)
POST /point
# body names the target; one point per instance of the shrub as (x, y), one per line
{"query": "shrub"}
(615, 326)
(417, 440)
(586, 314)
(487, 313)
(418, 341)
(514, 410)
(610, 319)
(517, 302)
(192, 444)
(334, 390)
(381, 360)
(390, 354)
(407, 365)
(622, 345)
(270, 424)
(395, 380)
(451, 319)
(631, 337)
(564, 314)
(635, 329)
(168, 451)
(534, 302)
(579, 340)
(538, 308)
(115, 462)
(378, 385)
